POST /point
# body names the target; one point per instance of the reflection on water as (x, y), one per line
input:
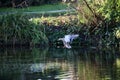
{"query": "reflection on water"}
(60, 64)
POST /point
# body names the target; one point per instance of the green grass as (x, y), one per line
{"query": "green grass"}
(41, 8)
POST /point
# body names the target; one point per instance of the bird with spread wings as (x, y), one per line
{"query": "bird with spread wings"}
(67, 39)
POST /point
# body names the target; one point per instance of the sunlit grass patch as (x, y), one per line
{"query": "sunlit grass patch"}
(118, 62)
(117, 33)
(46, 7)
(56, 21)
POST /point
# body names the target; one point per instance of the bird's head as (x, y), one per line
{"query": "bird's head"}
(76, 35)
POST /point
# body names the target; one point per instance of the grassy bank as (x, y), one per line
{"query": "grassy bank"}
(47, 7)
(38, 11)
(21, 30)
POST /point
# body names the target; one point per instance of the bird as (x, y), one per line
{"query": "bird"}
(67, 39)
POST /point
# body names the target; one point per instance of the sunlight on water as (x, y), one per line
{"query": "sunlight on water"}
(60, 64)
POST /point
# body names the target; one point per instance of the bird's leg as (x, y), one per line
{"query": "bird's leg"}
(64, 47)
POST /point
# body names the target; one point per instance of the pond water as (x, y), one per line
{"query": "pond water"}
(85, 63)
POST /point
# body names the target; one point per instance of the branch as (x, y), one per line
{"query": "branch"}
(89, 8)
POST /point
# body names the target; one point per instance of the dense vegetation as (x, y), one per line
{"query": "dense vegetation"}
(17, 29)
(4, 3)
(97, 22)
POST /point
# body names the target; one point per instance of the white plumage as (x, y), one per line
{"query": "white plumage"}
(68, 39)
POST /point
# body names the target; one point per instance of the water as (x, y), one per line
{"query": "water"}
(86, 63)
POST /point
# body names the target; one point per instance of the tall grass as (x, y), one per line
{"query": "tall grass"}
(17, 29)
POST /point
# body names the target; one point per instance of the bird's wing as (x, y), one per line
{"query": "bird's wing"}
(67, 38)
(73, 37)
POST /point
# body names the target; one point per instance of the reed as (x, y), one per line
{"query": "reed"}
(17, 29)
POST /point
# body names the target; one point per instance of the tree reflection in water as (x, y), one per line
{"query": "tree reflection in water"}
(84, 63)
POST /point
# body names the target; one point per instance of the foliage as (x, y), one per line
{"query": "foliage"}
(17, 29)
(39, 2)
(110, 10)
(102, 18)
(57, 21)
(5, 3)
(56, 27)
(117, 33)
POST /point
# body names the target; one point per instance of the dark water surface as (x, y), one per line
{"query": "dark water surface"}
(86, 63)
